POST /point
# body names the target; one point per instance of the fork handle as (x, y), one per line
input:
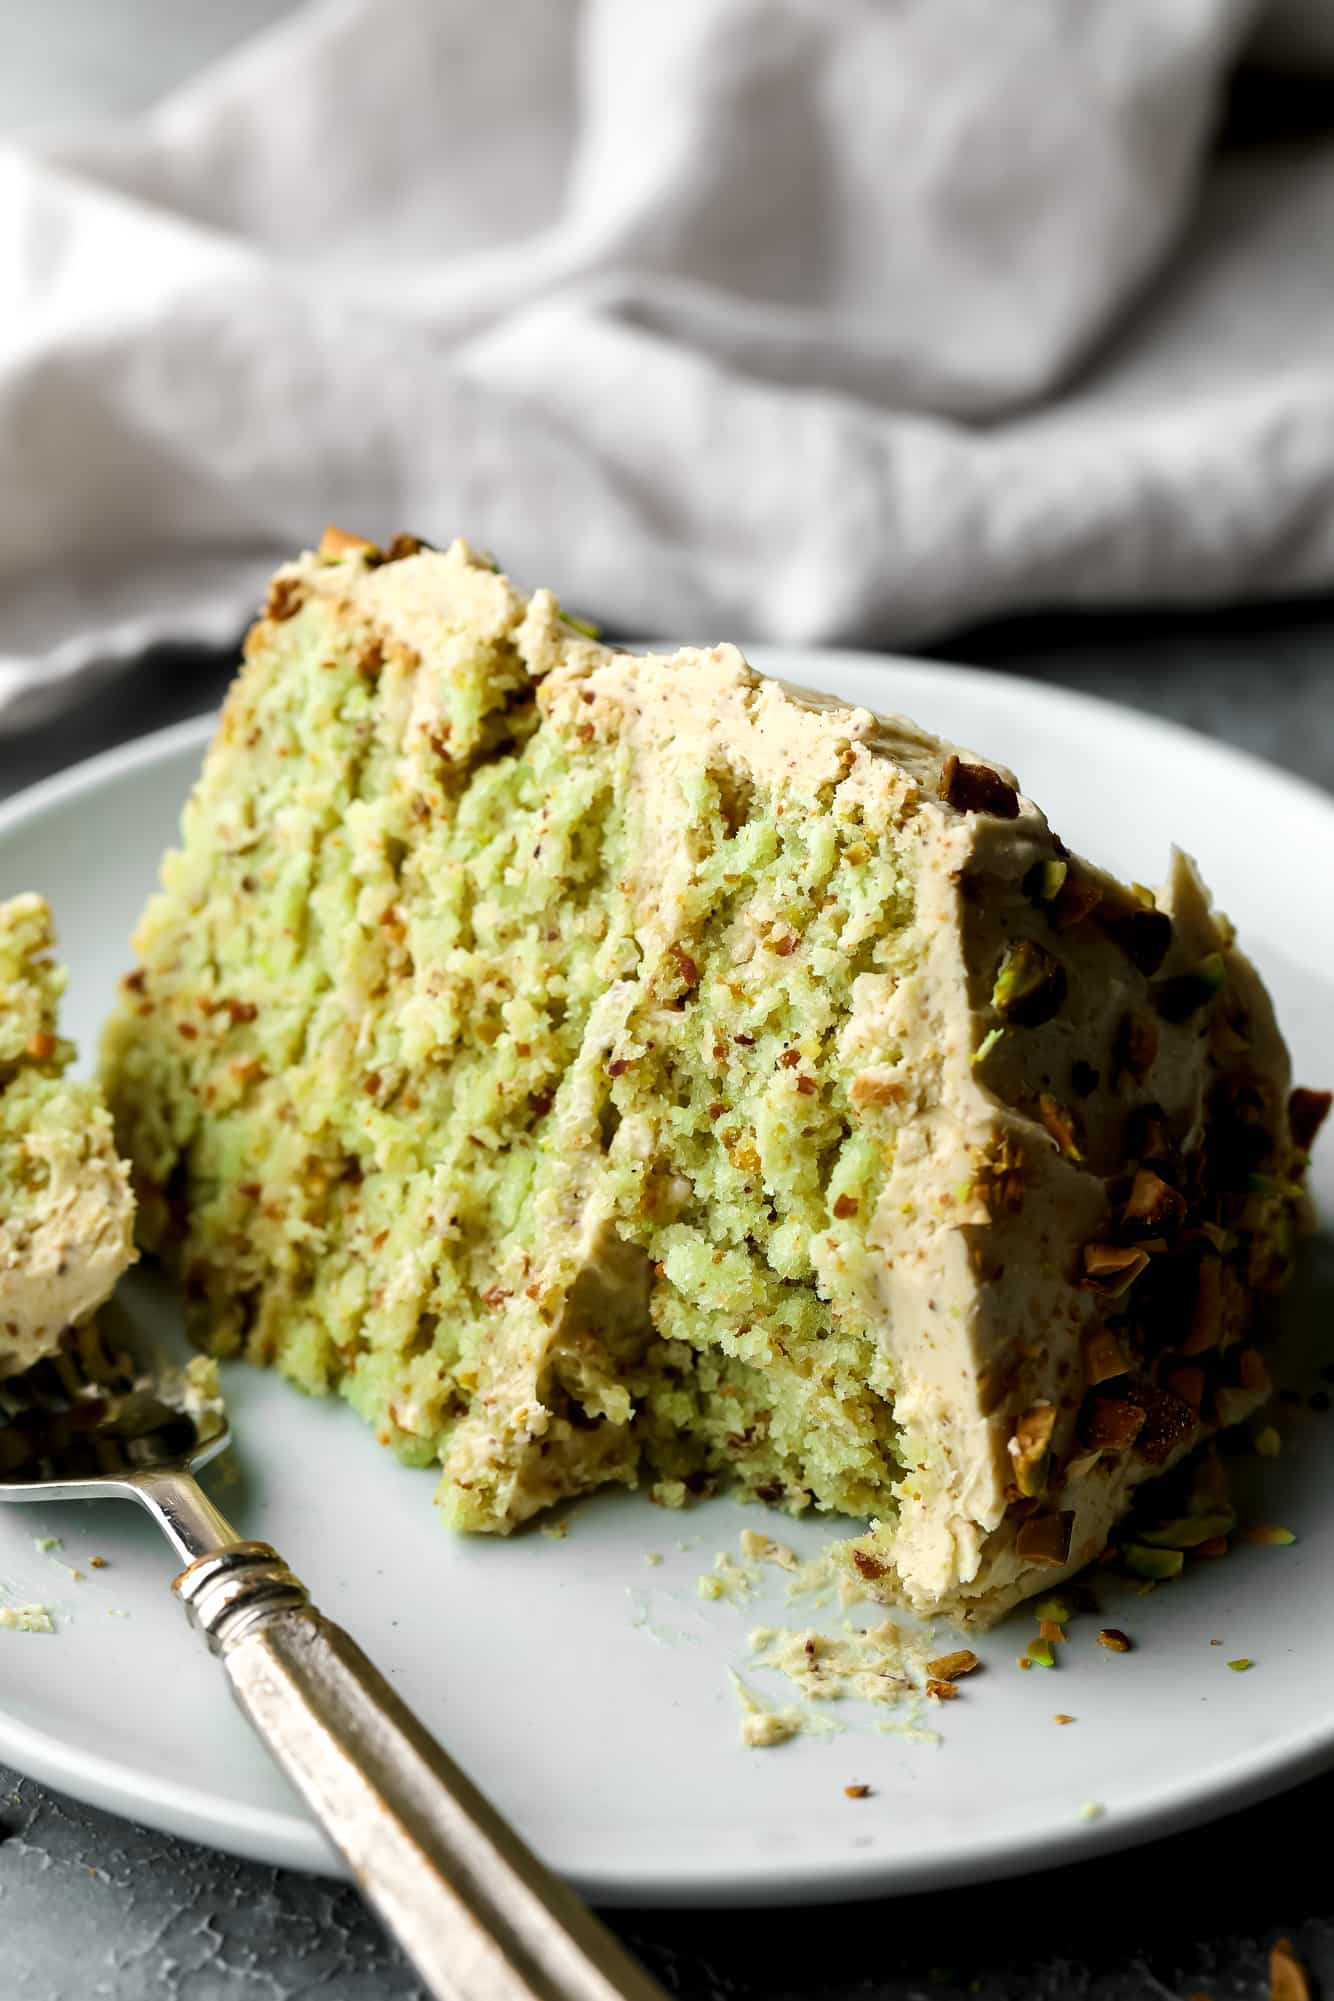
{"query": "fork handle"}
(479, 1916)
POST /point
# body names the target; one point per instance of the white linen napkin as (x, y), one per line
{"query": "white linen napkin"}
(837, 320)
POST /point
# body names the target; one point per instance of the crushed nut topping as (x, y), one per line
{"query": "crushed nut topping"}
(335, 543)
(1104, 1356)
(1143, 935)
(1031, 985)
(1000, 1177)
(1184, 994)
(1115, 1641)
(1112, 1269)
(1046, 1538)
(1030, 1446)
(1078, 898)
(1153, 1207)
(1061, 1124)
(1045, 879)
(949, 1667)
(286, 597)
(1110, 1424)
(976, 788)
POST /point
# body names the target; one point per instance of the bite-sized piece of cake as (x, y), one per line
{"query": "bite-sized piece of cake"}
(66, 1212)
(598, 1066)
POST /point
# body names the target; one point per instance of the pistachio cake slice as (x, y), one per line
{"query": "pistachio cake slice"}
(600, 1066)
(66, 1212)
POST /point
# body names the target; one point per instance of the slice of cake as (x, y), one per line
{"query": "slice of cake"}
(600, 1067)
(66, 1212)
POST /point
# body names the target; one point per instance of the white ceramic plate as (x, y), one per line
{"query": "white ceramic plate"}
(587, 1690)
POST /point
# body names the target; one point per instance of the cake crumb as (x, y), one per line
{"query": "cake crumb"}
(857, 1792)
(26, 1619)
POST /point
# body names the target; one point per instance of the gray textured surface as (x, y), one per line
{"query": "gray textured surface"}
(91, 1907)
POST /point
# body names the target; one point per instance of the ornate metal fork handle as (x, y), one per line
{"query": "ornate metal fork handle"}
(479, 1916)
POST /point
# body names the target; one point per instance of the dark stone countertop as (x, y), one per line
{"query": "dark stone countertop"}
(93, 1907)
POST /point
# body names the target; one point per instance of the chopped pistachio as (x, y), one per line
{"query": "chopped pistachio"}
(1268, 1442)
(1030, 986)
(1184, 994)
(1057, 1608)
(1092, 1810)
(987, 1044)
(976, 788)
(1046, 1538)
(1190, 1531)
(1040, 1653)
(1269, 1536)
(1143, 934)
(1157, 1565)
(950, 1666)
(1079, 896)
(1045, 880)
(1029, 1448)
(1112, 1269)
(1240, 1666)
(1111, 1424)
(1059, 1121)
(1153, 1205)
(1104, 1357)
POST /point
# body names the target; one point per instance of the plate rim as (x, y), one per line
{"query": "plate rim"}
(291, 1840)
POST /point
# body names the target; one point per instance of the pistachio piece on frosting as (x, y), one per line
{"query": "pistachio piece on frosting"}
(1031, 985)
(1143, 933)
(1078, 898)
(1110, 1424)
(1184, 994)
(1112, 1269)
(1060, 1123)
(1104, 1356)
(1152, 1207)
(1030, 1446)
(976, 788)
(1046, 1538)
(1045, 880)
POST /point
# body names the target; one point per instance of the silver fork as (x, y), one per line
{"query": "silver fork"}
(480, 1917)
